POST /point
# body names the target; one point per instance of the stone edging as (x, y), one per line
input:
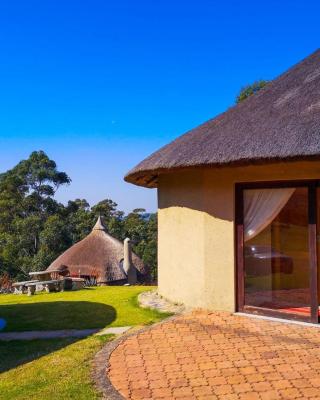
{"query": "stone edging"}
(154, 301)
(99, 372)
(101, 363)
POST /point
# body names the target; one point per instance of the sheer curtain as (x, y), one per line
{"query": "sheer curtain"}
(261, 206)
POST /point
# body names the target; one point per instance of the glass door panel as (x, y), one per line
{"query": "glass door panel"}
(318, 244)
(276, 250)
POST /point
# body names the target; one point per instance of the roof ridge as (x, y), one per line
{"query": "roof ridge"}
(99, 225)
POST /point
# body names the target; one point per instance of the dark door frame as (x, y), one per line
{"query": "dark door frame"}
(312, 234)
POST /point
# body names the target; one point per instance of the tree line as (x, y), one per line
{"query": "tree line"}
(35, 228)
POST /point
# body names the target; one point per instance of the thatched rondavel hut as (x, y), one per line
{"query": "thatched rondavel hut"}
(102, 257)
(239, 203)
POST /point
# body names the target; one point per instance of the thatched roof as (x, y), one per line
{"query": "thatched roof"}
(98, 254)
(280, 122)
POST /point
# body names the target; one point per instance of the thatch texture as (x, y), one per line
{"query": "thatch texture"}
(280, 122)
(99, 255)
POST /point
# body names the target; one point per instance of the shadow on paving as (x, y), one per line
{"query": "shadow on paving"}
(56, 315)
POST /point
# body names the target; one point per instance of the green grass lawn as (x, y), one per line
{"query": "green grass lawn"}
(60, 368)
(48, 369)
(89, 308)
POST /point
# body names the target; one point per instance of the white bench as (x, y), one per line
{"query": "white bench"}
(21, 287)
(50, 285)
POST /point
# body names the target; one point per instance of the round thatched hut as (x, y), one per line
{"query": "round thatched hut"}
(239, 204)
(102, 257)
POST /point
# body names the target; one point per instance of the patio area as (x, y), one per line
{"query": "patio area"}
(205, 355)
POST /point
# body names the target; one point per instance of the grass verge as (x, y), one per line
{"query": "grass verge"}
(48, 369)
(61, 368)
(89, 308)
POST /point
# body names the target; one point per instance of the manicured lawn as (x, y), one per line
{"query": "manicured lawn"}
(48, 369)
(89, 308)
(61, 368)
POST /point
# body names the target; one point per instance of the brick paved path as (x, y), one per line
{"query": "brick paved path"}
(219, 356)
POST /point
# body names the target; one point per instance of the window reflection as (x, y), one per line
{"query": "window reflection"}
(276, 253)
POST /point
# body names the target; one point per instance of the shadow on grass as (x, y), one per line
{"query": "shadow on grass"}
(18, 352)
(47, 316)
(56, 315)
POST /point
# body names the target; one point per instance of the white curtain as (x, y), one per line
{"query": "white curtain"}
(261, 206)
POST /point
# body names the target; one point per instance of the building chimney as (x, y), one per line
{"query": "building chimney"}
(128, 267)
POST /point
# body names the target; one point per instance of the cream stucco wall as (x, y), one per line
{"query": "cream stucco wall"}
(196, 230)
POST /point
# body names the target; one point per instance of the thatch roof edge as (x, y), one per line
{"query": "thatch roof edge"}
(240, 121)
(149, 179)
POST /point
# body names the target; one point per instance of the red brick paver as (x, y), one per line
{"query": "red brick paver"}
(218, 356)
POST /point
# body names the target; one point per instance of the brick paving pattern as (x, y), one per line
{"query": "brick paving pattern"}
(218, 356)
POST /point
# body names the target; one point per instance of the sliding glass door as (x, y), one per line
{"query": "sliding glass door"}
(276, 257)
(317, 233)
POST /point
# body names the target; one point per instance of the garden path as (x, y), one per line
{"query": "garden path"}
(65, 333)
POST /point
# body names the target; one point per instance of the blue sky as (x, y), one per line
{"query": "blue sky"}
(99, 85)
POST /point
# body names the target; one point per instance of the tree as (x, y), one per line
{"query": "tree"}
(142, 229)
(35, 229)
(26, 202)
(40, 174)
(77, 204)
(79, 218)
(107, 209)
(54, 239)
(113, 218)
(135, 226)
(249, 90)
(29, 187)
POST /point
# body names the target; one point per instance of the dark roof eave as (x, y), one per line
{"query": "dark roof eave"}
(149, 178)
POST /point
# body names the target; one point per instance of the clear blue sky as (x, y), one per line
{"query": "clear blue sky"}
(99, 85)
